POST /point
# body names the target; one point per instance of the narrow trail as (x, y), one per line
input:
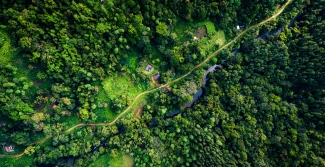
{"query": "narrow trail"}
(162, 86)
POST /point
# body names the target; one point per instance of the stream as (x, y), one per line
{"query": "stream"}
(213, 67)
(204, 79)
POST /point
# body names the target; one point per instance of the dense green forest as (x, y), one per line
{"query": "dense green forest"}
(87, 83)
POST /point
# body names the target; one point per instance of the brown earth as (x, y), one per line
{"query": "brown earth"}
(200, 32)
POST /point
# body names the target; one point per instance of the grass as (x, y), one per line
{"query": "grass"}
(132, 61)
(121, 160)
(6, 52)
(69, 120)
(215, 37)
(102, 161)
(117, 86)
(211, 29)
(17, 162)
(113, 88)
(209, 43)
(104, 114)
(181, 28)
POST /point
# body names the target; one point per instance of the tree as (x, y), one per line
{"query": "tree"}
(161, 29)
(30, 150)
(84, 114)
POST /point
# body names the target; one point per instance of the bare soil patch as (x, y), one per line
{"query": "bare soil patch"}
(138, 113)
(127, 161)
(200, 32)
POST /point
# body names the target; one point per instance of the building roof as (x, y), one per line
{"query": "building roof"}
(9, 148)
(148, 67)
(156, 77)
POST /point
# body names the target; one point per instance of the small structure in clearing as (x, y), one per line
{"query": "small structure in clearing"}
(9, 148)
(148, 67)
(200, 32)
(156, 77)
(239, 27)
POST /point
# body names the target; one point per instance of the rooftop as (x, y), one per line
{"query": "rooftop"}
(148, 67)
(9, 148)
(156, 77)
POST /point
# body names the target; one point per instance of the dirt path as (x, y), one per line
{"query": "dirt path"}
(162, 86)
(138, 113)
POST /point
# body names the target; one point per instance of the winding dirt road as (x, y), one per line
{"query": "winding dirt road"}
(162, 86)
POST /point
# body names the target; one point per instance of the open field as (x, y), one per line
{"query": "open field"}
(119, 85)
(212, 43)
(103, 113)
(19, 162)
(121, 160)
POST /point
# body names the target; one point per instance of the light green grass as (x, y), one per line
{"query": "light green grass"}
(207, 44)
(102, 161)
(132, 61)
(113, 88)
(180, 29)
(69, 120)
(16, 162)
(121, 85)
(211, 29)
(6, 51)
(103, 114)
(121, 160)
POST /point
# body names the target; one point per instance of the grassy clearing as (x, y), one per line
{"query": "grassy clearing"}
(207, 44)
(102, 161)
(69, 120)
(211, 29)
(117, 86)
(181, 28)
(17, 162)
(103, 113)
(132, 61)
(114, 88)
(215, 37)
(121, 160)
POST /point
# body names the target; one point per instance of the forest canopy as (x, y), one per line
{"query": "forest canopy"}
(122, 83)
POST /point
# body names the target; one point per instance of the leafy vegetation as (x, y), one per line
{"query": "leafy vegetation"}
(69, 68)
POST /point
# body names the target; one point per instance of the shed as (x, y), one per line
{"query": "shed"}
(240, 27)
(148, 67)
(156, 77)
(9, 148)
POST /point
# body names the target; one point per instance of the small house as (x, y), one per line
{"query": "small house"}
(148, 67)
(9, 148)
(156, 77)
(239, 27)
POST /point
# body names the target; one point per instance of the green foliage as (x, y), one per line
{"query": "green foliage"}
(263, 108)
(211, 29)
(6, 51)
(30, 150)
(84, 114)
(121, 90)
(161, 29)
